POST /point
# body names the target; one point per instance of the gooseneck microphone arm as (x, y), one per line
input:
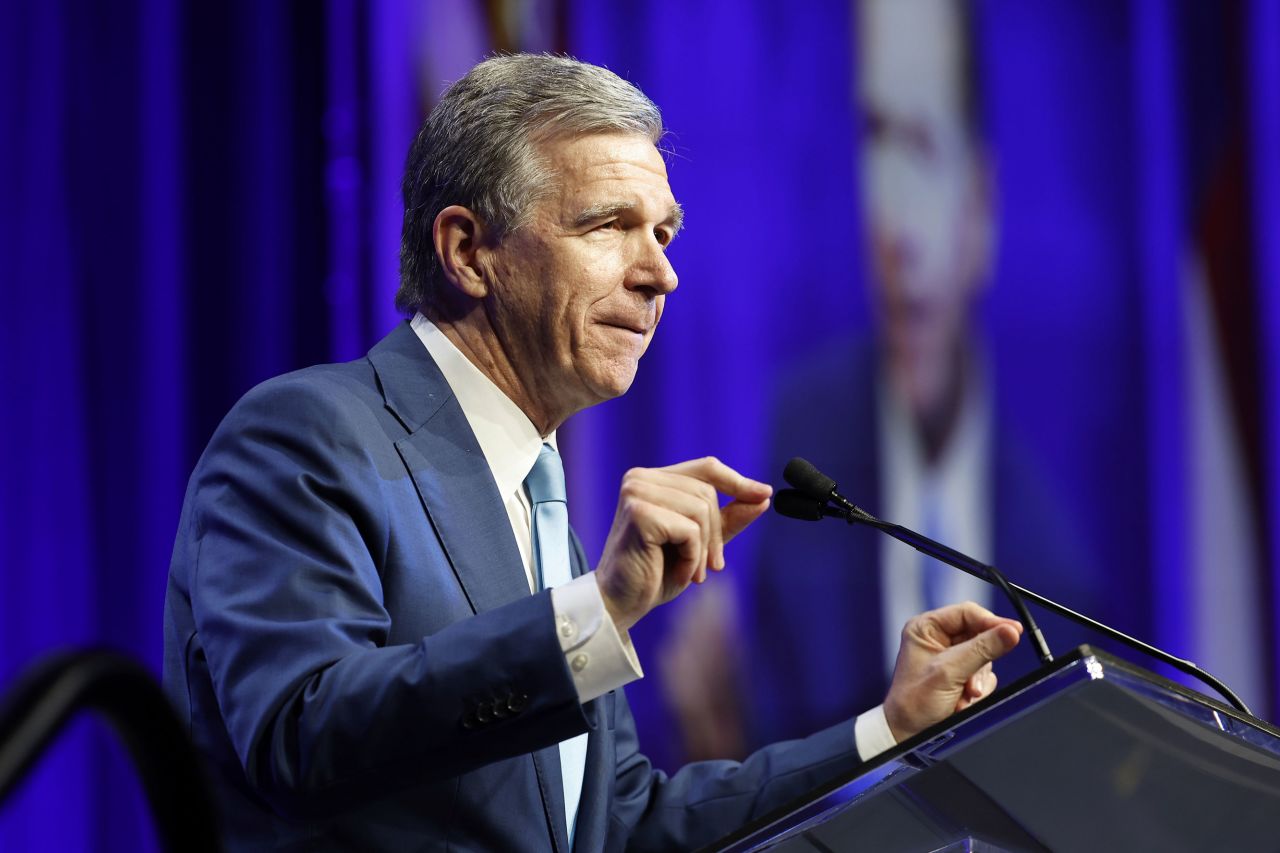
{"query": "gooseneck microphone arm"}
(818, 487)
(964, 563)
(811, 499)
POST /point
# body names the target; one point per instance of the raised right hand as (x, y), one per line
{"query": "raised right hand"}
(669, 529)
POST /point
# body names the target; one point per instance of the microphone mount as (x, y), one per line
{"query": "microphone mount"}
(812, 499)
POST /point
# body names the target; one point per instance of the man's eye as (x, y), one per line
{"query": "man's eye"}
(611, 225)
(663, 236)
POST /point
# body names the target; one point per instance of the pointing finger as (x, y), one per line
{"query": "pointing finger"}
(726, 480)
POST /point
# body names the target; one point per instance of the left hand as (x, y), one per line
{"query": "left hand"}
(944, 665)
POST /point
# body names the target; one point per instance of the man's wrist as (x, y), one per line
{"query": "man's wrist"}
(621, 621)
(872, 735)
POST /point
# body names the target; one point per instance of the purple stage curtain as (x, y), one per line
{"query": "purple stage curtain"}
(162, 250)
(194, 197)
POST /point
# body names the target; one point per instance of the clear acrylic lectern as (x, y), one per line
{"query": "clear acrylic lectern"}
(1094, 754)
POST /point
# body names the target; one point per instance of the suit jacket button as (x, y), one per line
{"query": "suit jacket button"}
(517, 702)
(469, 720)
(484, 712)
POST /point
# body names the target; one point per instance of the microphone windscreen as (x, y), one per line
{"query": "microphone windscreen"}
(808, 479)
(796, 504)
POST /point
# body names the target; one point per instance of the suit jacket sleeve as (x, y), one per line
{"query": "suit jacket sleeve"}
(707, 800)
(283, 557)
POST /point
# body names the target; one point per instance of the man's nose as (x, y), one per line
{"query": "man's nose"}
(652, 271)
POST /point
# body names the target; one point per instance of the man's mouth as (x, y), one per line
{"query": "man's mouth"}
(638, 328)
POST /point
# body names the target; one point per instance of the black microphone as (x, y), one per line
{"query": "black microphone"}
(794, 503)
(802, 474)
(814, 487)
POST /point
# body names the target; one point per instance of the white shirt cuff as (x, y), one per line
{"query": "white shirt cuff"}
(871, 734)
(600, 658)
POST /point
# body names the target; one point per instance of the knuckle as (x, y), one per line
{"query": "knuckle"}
(631, 487)
(631, 506)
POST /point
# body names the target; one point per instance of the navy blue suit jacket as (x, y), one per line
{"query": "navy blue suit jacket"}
(350, 637)
(814, 600)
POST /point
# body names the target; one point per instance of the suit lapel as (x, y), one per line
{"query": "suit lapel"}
(450, 472)
(462, 502)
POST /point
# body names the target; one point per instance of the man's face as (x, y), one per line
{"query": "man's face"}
(924, 190)
(577, 293)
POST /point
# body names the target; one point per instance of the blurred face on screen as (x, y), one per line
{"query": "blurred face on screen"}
(925, 197)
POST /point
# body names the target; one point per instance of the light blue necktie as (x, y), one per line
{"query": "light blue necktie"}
(545, 486)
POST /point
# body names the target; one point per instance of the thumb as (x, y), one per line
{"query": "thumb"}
(973, 654)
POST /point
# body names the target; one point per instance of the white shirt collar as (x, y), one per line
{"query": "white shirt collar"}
(509, 440)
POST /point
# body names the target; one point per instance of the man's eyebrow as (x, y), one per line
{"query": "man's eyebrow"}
(676, 218)
(605, 210)
(609, 209)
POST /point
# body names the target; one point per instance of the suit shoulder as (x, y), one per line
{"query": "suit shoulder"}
(317, 411)
(326, 395)
(335, 383)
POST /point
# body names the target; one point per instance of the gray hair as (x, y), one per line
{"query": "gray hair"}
(479, 148)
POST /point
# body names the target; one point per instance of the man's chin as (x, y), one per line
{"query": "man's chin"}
(614, 380)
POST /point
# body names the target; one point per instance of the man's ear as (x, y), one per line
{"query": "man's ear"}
(458, 233)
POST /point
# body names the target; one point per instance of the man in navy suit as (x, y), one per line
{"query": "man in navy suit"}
(379, 627)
